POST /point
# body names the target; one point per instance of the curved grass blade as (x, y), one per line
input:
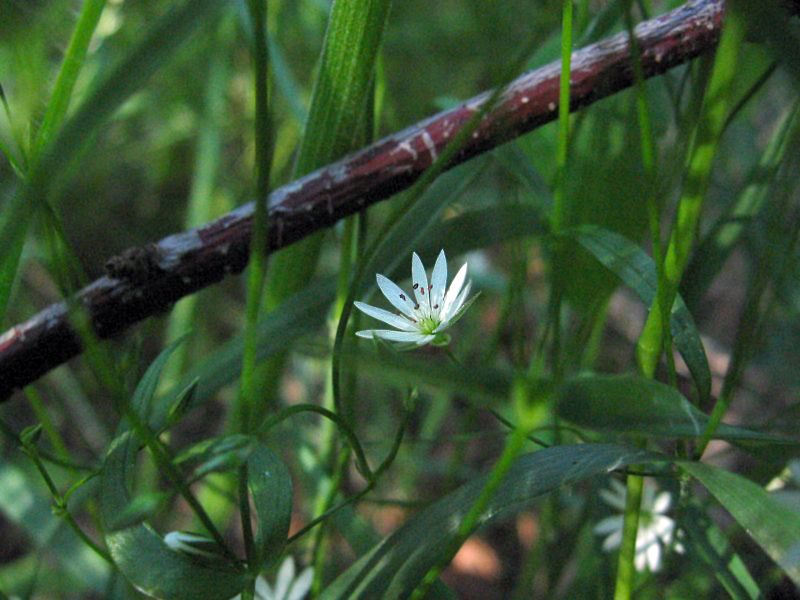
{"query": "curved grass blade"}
(47, 173)
(631, 404)
(711, 544)
(632, 265)
(141, 554)
(774, 526)
(271, 487)
(395, 566)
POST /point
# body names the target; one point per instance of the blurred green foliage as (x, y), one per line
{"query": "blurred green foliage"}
(180, 150)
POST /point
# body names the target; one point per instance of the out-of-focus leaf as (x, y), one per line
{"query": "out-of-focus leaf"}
(637, 405)
(138, 509)
(219, 454)
(396, 565)
(142, 555)
(271, 487)
(775, 527)
(22, 503)
(711, 544)
(630, 263)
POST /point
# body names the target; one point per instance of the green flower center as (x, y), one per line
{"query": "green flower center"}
(428, 325)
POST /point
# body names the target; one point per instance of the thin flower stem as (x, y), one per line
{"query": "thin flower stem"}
(247, 401)
(341, 423)
(559, 209)
(60, 505)
(625, 567)
(373, 481)
(648, 152)
(512, 449)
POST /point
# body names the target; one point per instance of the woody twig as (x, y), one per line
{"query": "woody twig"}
(147, 280)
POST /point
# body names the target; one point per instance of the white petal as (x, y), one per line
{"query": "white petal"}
(613, 541)
(438, 283)
(425, 340)
(452, 293)
(654, 556)
(386, 316)
(284, 578)
(614, 497)
(608, 525)
(662, 502)
(395, 336)
(395, 295)
(420, 280)
(640, 562)
(301, 585)
(263, 591)
(462, 297)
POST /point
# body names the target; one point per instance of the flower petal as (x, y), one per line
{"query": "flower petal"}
(301, 585)
(284, 578)
(263, 590)
(608, 525)
(438, 284)
(455, 308)
(385, 316)
(395, 295)
(662, 503)
(452, 293)
(395, 336)
(420, 280)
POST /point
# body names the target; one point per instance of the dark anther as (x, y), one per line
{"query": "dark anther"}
(416, 306)
(435, 306)
(416, 285)
(422, 291)
(402, 296)
(430, 286)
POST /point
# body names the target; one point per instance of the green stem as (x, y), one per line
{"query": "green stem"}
(627, 552)
(514, 446)
(559, 208)
(706, 140)
(61, 509)
(247, 402)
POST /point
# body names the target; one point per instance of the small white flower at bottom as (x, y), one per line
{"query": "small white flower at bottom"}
(287, 585)
(655, 533)
(433, 308)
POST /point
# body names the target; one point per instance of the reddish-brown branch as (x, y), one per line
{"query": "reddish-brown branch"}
(147, 280)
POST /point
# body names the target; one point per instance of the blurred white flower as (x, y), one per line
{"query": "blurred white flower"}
(656, 530)
(192, 543)
(288, 584)
(432, 309)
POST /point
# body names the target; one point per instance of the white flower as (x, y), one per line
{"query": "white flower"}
(287, 586)
(655, 533)
(192, 543)
(432, 309)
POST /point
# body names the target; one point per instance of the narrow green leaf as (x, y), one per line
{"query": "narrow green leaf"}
(632, 404)
(216, 454)
(335, 126)
(710, 543)
(141, 554)
(146, 388)
(138, 509)
(271, 487)
(68, 74)
(774, 527)
(23, 503)
(717, 246)
(167, 35)
(632, 265)
(396, 565)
